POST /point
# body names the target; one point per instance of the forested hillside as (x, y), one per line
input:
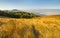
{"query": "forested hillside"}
(17, 14)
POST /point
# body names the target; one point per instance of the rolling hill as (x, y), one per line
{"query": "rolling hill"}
(39, 27)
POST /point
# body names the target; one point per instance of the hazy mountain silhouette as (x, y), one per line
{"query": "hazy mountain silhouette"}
(16, 10)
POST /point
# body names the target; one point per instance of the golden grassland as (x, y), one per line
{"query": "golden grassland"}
(40, 27)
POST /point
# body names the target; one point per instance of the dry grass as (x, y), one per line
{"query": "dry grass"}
(41, 27)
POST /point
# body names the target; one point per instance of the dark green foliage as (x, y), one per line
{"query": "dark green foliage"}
(17, 14)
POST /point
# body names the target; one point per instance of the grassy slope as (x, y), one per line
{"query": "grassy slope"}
(41, 27)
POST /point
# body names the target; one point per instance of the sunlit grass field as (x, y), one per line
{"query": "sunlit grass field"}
(39, 27)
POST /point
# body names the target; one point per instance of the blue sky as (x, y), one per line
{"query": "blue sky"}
(29, 4)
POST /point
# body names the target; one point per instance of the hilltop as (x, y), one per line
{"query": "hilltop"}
(39, 27)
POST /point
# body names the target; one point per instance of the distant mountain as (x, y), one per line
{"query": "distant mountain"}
(16, 10)
(41, 12)
(44, 11)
